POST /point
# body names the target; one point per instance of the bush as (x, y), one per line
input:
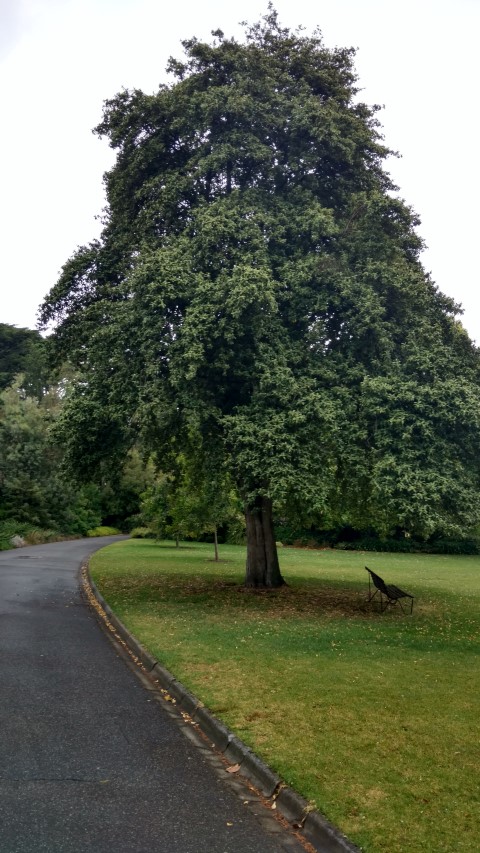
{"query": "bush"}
(142, 533)
(452, 546)
(410, 546)
(370, 543)
(299, 537)
(103, 531)
(39, 536)
(11, 529)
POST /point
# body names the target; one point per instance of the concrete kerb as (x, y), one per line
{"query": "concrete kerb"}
(321, 834)
(147, 660)
(324, 836)
(184, 700)
(292, 806)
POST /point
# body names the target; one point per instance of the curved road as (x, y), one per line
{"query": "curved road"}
(89, 761)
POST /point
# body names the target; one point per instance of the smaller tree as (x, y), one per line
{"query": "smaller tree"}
(189, 504)
(154, 506)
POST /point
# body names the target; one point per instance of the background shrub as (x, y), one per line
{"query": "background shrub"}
(31, 535)
(103, 530)
(142, 533)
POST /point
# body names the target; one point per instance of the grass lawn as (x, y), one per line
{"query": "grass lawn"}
(373, 717)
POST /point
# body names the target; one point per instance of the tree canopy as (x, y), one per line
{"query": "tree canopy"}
(22, 351)
(257, 297)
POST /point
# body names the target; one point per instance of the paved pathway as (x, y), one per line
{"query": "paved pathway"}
(89, 761)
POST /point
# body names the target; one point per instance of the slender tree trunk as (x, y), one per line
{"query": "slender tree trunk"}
(215, 542)
(177, 541)
(208, 185)
(262, 569)
(229, 177)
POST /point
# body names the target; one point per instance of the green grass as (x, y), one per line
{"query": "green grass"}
(373, 717)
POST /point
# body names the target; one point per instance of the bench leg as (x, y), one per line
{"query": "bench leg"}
(370, 596)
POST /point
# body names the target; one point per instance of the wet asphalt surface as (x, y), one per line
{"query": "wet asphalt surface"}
(89, 761)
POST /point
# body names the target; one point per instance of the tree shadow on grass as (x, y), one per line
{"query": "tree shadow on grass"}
(177, 548)
(218, 562)
(312, 599)
(300, 600)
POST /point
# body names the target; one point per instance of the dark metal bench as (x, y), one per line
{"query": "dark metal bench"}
(387, 592)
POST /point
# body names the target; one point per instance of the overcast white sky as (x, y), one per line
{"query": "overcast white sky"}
(59, 59)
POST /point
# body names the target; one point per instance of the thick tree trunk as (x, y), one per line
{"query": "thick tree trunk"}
(263, 569)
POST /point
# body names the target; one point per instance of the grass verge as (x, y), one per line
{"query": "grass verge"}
(373, 717)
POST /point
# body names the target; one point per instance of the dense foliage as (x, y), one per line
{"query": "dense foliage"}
(257, 300)
(33, 490)
(38, 500)
(23, 351)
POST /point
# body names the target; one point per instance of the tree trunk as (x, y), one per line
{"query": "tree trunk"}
(262, 569)
(208, 185)
(215, 542)
(229, 177)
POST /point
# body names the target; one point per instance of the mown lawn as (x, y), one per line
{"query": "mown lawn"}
(373, 717)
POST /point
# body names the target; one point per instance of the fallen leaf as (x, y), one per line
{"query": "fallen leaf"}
(234, 768)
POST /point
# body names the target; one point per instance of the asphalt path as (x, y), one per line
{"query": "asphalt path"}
(89, 761)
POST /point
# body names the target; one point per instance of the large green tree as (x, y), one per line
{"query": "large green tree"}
(257, 292)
